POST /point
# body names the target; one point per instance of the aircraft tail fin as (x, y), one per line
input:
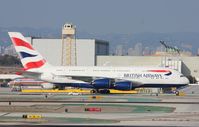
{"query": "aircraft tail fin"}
(30, 58)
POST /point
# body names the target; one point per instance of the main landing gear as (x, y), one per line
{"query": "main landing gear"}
(101, 91)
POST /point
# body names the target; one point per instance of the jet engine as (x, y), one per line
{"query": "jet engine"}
(123, 85)
(48, 85)
(101, 83)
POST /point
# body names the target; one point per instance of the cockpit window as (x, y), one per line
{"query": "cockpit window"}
(181, 75)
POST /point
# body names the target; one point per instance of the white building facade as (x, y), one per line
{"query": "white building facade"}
(86, 50)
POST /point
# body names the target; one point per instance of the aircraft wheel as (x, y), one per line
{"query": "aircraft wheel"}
(108, 91)
(93, 91)
(104, 91)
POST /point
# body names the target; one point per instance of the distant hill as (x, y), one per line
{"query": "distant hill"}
(186, 41)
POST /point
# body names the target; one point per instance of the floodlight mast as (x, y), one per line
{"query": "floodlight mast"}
(172, 50)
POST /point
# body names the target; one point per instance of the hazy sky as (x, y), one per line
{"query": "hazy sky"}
(103, 16)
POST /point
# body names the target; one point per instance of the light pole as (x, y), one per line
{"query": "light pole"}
(172, 50)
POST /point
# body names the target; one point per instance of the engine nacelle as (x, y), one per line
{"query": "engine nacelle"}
(123, 85)
(81, 85)
(48, 85)
(101, 83)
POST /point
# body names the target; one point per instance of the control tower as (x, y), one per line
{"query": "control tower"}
(68, 45)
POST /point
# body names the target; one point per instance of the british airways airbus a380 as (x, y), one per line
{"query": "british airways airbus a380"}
(120, 78)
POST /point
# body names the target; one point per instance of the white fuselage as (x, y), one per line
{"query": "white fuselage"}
(139, 75)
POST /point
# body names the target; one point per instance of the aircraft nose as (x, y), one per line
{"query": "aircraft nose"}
(185, 80)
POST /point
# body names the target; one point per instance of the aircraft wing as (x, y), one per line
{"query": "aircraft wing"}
(29, 74)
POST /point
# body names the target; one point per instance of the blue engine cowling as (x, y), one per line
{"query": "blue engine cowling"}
(101, 83)
(82, 85)
(123, 85)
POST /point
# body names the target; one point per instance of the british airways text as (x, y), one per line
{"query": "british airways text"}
(138, 76)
